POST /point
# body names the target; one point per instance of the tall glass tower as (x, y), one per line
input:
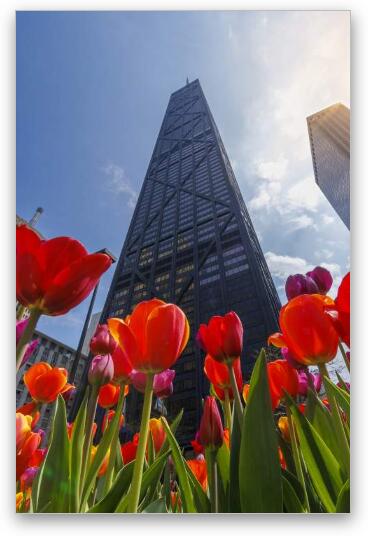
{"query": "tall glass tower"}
(191, 242)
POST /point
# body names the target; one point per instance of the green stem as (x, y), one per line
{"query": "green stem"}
(91, 411)
(227, 411)
(27, 336)
(237, 401)
(114, 443)
(210, 454)
(337, 422)
(141, 450)
(342, 350)
(296, 456)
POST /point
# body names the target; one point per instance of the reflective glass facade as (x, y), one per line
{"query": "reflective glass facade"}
(329, 134)
(191, 242)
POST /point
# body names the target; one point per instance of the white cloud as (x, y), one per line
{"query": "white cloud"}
(323, 253)
(119, 183)
(327, 220)
(304, 194)
(301, 222)
(284, 265)
(272, 170)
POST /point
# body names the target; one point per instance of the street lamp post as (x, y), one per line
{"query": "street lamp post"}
(80, 392)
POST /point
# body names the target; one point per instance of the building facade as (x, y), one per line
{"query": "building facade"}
(329, 135)
(95, 318)
(55, 353)
(191, 242)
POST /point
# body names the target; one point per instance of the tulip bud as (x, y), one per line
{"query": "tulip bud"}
(163, 383)
(211, 432)
(101, 370)
(102, 342)
(300, 284)
(322, 278)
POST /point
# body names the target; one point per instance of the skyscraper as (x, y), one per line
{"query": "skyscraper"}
(191, 242)
(329, 135)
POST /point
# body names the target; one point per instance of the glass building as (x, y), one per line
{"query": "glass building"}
(191, 242)
(329, 135)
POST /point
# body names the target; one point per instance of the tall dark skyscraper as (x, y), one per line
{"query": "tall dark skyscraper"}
(329, 135)
(191, 242)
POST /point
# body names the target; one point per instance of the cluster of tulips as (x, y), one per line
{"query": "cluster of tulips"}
(271, 445)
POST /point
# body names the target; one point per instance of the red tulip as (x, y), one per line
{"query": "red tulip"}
(122, 365)
(218, 375)
(129, 449)
(108, 418)
(281, 377)
(197, 445)
(211, 432)
(29, 447)
(53, 276)
(341, 316)
(307, 329)
(108, 395)
(102, 342)
(37, 457)
(223, 337)
(153, 336)
(45, 383)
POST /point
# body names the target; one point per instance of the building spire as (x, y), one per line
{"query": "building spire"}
(187, 80)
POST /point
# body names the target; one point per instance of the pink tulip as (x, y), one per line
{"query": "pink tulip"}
(211, 432)
(102, 342)
(101, 370)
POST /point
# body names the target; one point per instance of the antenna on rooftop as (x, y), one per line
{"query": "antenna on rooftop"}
(35, 217)
(187, 80)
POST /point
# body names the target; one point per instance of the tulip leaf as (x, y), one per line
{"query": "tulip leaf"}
(291, 500)
(259, 465)
(53, 483)
(151, 477)
(344, 387)
(341, 396)
(156, 507)
(234, 493)
(324, 470)
(118, 489)
(180, 465)
(76, 453)
(223, 469)
(173, 427)
(343, 500)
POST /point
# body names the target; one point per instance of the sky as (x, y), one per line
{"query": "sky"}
(92, 90)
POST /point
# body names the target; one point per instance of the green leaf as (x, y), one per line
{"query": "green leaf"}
(291, 500)
(223, 470)
(234, 493)
(157, 507)
(297, 486)
(320, 418)
(110, 502)
(180, 465)
(343, 500)
(259, 465)
(342, 382)
(323, 468)
(76, 452)
(173, 427)
(150, 478)
(341, 396)
(53, 483)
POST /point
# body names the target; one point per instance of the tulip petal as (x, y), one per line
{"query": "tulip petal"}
(34, 371)
(138, 319)
(125, 338)
(48, 386)
(276, 339)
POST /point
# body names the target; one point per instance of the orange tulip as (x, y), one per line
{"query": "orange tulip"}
(282, 459)
(283, 425)
(246, 388)
(26, 452)
(18, 500)
(199, 470)
(31, 410)
(227, 437)
(153, 336)
(44, 382)
(218, 375)
(23, 428)
(175, 501)
(281, 377)
(158, 433)
(108, 418)
(105, 462)
(109, 395)
(222, 337)
(307, 329)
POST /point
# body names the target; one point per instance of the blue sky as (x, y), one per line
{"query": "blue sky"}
(92, 89)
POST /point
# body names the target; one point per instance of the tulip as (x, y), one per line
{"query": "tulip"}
(199, 470)
(211, 432)
(19, 500)
(122, 366)
(108, 418)
(129, 449)
(218, 375)
(246, 388)
(175, 501)
(281, 377)
(162, 382)
(31, 346)
(108, 395)
(102, 342)
(305, 379)
(68, 392)
(101, 370)
(37, 457)
(341, 316)
(300, 284)
(27, 477)
(288, 356)
(343, 295)
(45, 383)
(53, 276)
(222, 338)
(197, 445)
(282, 459)
(29, 447)
(104, 464)
(153, 336)
(23, 428)
(283, 424)
(158, 433)
(307, 329)
(322, 278)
